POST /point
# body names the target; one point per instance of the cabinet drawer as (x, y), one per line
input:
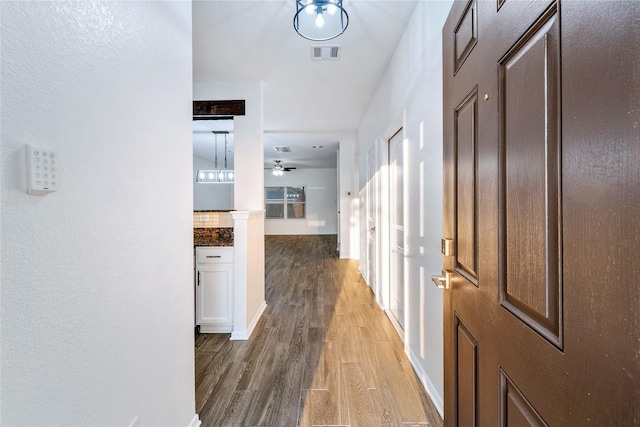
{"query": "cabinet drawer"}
(214, 255)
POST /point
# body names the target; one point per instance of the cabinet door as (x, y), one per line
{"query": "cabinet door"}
(214, 298)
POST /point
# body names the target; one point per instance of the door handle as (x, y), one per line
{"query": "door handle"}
(444, 281)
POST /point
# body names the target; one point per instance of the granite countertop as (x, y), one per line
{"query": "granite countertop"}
(213, 236)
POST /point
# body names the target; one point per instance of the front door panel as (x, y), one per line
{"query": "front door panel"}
(515, 409)
(542, 306)
(466, 120)
(530, 285)
(466, 374)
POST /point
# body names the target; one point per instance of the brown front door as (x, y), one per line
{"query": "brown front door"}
(542, 213)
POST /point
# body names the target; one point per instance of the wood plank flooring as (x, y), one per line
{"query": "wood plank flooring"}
(323, 353)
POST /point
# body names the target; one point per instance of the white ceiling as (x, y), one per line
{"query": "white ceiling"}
(306, 102)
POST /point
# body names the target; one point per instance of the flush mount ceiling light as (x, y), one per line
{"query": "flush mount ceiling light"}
(320, 20)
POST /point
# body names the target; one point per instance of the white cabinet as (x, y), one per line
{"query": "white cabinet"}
(214, 289)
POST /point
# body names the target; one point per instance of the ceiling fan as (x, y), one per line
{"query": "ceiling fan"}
(278, 169)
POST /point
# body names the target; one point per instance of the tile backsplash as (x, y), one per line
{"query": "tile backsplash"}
(212, 219)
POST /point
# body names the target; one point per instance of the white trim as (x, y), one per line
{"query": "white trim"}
(382, 280)
(395, 324)
(371, 211)
(431, 390)
(195, 421)
(248, 282)
(216, 329)
(426, 383)
(246, 214)
(239, 336)
(256, 318)
(395, 127)
(244, 335)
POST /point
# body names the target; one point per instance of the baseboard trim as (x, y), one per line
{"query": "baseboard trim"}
(426, 383)
(216, 329)
(395, 324)
(239, 336)
(256, 318)
(415, 363)
(195, 421)
(244, 335)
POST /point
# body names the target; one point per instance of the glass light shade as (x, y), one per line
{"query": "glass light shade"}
(310, 10)
(214, 176)
(320, 20)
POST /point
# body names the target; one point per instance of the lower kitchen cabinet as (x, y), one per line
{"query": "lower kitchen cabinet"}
(214, 289)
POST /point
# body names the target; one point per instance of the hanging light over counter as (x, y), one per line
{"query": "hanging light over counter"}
(216, 175)
(320, 20)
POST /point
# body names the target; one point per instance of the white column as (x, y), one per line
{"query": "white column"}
(248, 272)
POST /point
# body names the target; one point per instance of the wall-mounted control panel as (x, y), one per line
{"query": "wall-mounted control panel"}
(43, 170)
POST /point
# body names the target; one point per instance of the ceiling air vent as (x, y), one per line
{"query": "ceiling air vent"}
(325, 52)
(282, 149)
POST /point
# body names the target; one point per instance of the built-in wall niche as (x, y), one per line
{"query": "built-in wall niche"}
(213, 169)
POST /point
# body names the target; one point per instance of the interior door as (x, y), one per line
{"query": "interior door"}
(541, 208)
(396, 227)
(338, 202)
(371, 219)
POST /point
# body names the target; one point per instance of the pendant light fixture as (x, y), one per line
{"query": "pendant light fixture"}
(320, 20)
(216, 175)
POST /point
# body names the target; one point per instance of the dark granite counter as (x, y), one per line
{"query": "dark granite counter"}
(213, 236)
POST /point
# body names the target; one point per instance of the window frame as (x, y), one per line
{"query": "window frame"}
(286, 201)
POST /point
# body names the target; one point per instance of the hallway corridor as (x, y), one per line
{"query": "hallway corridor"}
(323, 353)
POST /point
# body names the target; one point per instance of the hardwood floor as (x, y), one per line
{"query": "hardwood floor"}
(323, 353)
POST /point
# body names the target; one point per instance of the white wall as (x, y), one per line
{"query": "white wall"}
(248, 195)
(97, 294)
(322, 211)
(410, 94)
(248, 138)
(210, 196)
(348, 201)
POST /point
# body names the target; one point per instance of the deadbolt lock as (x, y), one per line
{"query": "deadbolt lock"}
(447, 247)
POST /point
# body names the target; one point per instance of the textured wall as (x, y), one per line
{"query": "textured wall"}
(410, 94)
(97, 294)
